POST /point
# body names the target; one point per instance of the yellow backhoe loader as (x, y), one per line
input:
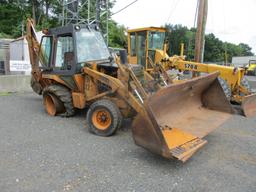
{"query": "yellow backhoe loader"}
(73, 69)
(147, 47)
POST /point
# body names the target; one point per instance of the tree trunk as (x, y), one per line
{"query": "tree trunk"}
(47, 5)
(34, 11)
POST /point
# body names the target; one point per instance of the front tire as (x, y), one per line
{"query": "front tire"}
(103, 118)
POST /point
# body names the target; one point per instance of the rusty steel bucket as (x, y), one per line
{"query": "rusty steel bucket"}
(180, 115)
(249, 105)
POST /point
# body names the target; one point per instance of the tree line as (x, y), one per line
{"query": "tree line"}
(46, 13)
(215, 49)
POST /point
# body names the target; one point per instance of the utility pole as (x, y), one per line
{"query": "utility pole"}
(200, 33)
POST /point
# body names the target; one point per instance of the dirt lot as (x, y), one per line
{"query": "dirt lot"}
(42, 153)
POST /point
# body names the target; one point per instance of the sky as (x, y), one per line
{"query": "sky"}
(229, 20)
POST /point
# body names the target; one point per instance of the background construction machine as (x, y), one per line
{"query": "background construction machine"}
(147, 47)
(73, 69)
(251, 68)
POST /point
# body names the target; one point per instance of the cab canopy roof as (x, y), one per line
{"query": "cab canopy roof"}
(160, 29)
(71, 28)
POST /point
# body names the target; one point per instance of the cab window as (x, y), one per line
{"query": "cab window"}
(45, 51)
(64, 53)
(156, 40)
(133, 44)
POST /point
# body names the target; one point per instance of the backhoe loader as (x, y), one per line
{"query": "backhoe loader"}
(73, 69)
(148, 48)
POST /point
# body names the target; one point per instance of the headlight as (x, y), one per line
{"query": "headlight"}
(77, 27)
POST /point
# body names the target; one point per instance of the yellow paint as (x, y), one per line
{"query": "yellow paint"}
(233, 76)
(176, 137)
(160, 29)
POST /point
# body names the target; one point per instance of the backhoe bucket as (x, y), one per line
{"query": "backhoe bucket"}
(249, 105)
(180, 115)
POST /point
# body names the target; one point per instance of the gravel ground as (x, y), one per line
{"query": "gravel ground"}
(43, 153)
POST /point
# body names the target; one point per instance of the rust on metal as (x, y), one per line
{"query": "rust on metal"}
(180, 115)
(79, 100)
(53, 105)
(249, 105)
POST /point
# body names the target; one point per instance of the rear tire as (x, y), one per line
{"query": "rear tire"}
(64, 95)
(103, 118)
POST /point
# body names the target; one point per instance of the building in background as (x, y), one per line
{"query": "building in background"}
(19, 56)
(4, 56)
(242, 61)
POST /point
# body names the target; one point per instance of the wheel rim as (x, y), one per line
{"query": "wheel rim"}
(101, 119)
(49, 105)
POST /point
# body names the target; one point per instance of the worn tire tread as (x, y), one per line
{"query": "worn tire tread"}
(115, 113)
(64, 95)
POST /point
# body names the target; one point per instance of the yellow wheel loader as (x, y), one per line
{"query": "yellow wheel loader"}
(147, 47)
(73, 69)
(251, 68)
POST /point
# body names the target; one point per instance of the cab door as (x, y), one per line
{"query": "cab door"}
(141, 48)
(64, 58)
(132, 50)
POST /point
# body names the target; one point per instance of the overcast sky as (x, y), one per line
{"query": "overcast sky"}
(230, 20)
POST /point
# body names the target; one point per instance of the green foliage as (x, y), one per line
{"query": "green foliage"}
(4, 94)
(180, 34)
(117, 37)
(3, 35)
(246, 49)
(10, 18)
(215, 49)
(45, 13)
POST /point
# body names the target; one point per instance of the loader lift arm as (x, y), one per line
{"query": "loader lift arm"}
(172, 138)
(147, 47)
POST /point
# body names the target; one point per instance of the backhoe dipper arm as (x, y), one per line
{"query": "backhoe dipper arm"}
(33, 45)
(232, 75)
(178, 63)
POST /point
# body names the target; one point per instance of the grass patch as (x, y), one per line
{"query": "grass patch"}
(5, 94)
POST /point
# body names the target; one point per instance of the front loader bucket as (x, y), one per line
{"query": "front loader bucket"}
(180, 115)
(249, 105)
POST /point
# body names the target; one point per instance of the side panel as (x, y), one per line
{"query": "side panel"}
(79, 100)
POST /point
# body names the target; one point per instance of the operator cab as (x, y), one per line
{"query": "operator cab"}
(143, 43)
(65, 50)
